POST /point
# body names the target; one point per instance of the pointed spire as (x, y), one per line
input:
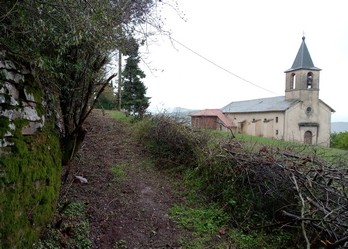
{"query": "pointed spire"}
(303, 59)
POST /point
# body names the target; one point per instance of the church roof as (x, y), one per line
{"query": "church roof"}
(260, 105)
(303, 59)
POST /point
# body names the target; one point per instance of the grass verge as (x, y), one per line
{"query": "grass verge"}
(70, 229)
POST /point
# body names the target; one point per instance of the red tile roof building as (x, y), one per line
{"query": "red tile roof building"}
(211, 119)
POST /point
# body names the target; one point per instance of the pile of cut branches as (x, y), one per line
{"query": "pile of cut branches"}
(305, 192)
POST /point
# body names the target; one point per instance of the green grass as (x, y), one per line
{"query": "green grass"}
(73, 231)
(206, 220)
(118, 171)
(335, 157)
(203, 224)
(258, 240)
(120, 116)
(120, 244)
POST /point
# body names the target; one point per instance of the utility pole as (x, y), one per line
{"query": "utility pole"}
(119, 90)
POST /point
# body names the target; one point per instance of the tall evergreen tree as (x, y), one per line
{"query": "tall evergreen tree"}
(134, 100)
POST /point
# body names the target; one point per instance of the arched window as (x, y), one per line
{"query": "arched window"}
(309, 80)
(293, 81)
(308, 137)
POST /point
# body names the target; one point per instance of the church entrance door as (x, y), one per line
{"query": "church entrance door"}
(308, 137)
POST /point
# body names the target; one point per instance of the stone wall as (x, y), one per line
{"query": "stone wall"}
(30, 156)
(17, 103)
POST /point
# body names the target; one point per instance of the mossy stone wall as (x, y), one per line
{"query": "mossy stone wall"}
(30, 157)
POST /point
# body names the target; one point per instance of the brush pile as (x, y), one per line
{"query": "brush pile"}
(304, 192)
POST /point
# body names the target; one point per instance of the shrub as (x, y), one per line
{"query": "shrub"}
(174, 145)
(339, 140)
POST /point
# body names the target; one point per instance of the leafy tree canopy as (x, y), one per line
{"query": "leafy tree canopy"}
(67, 45)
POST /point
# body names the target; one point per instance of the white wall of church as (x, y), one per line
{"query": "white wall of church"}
(290, 125)
(293, 117)
(299, 119)
(325, 125)
(265, 124)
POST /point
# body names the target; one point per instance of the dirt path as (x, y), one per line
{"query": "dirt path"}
(127, 199)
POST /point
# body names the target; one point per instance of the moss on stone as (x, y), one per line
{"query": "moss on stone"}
(4, 126)
(29, 186)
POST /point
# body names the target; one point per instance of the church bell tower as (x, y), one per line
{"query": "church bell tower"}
(302, 79)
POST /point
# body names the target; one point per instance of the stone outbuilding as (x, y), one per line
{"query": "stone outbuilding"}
(211, 119)
(299, 116)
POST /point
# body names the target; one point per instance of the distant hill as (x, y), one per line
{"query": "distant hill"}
(181, 110)
(337, 127)
(182, 114)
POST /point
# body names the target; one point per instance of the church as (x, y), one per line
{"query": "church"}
(299, 116)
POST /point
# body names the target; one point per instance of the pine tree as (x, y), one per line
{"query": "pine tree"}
(134, 100)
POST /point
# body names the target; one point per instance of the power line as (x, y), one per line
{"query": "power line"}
(222, 68)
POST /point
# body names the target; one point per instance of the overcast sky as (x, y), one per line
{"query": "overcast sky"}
(233, 50)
